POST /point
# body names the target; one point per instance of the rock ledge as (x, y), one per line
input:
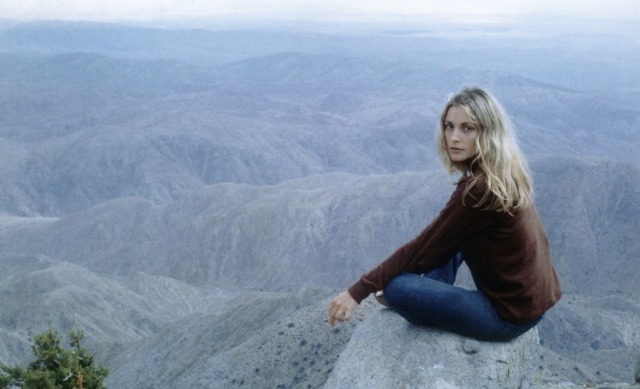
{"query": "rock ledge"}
(385, 351)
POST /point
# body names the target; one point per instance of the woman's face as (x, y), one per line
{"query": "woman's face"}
(460, 134)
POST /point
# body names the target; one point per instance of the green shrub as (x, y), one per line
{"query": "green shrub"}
(56, 367)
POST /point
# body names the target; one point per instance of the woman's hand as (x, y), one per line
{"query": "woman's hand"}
(341, 308)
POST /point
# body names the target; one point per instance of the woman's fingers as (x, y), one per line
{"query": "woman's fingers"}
(334, 313)
(347, 315)
(341, 308)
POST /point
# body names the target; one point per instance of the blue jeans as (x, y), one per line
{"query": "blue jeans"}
(432, 300)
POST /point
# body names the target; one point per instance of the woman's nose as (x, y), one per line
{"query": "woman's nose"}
(455, 134)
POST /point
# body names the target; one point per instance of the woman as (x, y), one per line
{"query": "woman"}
(490, 222)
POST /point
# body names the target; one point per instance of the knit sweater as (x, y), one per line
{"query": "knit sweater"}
(507, 254)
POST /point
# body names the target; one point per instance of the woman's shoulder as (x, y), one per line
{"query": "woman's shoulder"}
(475, 185)
(475, 192)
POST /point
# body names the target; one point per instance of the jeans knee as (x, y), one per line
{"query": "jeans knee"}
(394, 290)
(401, 287)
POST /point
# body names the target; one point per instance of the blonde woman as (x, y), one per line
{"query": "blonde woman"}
(490, 222)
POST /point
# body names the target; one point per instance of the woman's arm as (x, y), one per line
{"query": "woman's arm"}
(438, 242)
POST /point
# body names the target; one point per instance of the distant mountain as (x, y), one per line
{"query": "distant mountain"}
(591, 210)
(585, 60)
(78, 129)
(192, 45)
(299, 232)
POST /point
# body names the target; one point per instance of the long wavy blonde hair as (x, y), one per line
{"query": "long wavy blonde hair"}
(499, 159)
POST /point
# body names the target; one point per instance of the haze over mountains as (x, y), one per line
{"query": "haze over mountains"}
(192, 198)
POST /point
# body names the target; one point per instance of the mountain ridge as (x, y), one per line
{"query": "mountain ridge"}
(340, 217)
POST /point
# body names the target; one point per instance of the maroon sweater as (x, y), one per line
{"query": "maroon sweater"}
(508, 256)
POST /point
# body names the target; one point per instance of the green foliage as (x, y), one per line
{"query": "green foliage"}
(56, 367)
(10, 376)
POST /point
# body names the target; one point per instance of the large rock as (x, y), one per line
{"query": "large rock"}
(385, 351)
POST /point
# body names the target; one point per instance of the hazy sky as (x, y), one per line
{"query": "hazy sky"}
(318, 10)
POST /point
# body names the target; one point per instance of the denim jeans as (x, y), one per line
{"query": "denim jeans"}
(432, 300)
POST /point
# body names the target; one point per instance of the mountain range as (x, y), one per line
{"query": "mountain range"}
(193, 210)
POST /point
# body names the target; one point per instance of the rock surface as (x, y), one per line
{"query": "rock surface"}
(570, 385)
(385, 351)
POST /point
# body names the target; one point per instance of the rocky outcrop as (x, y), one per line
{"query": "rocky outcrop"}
(385, 351)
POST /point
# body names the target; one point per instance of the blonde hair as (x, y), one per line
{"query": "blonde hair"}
(499, 159)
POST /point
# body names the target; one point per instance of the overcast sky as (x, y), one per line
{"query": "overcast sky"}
(316, 10)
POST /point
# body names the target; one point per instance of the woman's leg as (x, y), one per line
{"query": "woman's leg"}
(447, 273)
(426, 301)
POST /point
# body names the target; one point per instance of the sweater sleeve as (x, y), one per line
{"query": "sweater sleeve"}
(437, 243)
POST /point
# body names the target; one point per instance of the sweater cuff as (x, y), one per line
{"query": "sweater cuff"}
(359, 291)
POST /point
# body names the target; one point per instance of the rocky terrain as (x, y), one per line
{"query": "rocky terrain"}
(193, 199)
